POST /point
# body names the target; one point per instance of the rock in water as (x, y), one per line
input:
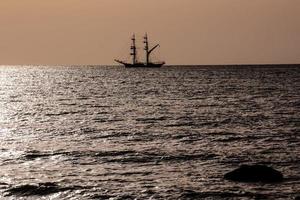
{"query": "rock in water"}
(254, 173)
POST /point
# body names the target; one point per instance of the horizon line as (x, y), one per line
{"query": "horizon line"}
(167, 65)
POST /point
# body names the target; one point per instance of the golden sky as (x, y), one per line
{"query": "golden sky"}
(189, 31)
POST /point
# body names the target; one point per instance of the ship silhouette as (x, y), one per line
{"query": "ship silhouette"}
(148, 51)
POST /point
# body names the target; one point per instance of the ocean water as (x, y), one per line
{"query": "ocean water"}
(94, 132)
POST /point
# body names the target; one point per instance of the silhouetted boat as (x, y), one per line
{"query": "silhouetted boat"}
(135, 62)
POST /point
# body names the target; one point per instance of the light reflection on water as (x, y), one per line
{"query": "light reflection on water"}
(169, 133)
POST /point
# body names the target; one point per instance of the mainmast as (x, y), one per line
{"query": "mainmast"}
(133, 50)
(146, 48)
(148, 52)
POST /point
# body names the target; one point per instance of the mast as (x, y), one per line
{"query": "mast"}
(148, 52)
(133, 50)
(146, 48)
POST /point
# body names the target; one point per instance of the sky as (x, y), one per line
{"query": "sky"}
(67, 32)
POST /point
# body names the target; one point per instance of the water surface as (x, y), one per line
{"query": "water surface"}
(169, 133)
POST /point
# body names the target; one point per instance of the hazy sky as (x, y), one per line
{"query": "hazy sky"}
(189, 31)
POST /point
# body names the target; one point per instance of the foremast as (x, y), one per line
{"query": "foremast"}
(133, 50)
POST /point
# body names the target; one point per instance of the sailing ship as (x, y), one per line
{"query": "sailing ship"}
(148, 51)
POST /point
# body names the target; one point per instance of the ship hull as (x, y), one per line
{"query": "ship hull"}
(142, 65)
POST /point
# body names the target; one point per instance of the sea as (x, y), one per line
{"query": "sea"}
(108, 132)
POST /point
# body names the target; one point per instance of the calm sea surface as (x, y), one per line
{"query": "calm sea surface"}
(169, 133)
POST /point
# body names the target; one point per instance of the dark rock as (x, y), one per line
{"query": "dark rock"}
(254, 173)
(297, 198)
